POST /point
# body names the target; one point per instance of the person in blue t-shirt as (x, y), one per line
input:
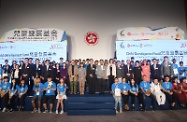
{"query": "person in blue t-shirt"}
(145, 87)
(22, 93)
(167, 89)
(61, 95)
(4, 88)
(49, 88)
(175, 68)
(116, 91)
(13, 93)
(38, 93)
(182, 71)
(125, 93)
(134, 93)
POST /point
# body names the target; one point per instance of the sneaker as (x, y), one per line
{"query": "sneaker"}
(39, 111)
(45, 111)
(62, 112)
(4, 110)
(34, 111)
(50, 112)
(11, 110)
(120, 111)
(56, 111)
(117, 112)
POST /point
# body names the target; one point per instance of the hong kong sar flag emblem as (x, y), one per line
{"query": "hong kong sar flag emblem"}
(91, 38)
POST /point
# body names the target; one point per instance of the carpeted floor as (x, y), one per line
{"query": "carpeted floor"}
(131, 116)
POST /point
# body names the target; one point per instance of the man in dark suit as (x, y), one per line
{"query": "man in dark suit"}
(26, 73)
(37, 70)
(155, 70)
(91, 76)
(128, 69)
(46, 71)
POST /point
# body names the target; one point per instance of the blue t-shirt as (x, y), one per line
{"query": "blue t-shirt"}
(49, 92)
(134, 88)
(175, 66)
(145, 85)
(182, 72)
(12, 90)
(5, 86)
(39, 87)
(114, 86)
(167, 86)
(22, 89)
(125, 87)
(61, 88)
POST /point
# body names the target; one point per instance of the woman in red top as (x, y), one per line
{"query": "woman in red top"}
(146, 70)
(177, 89)
(184, 88)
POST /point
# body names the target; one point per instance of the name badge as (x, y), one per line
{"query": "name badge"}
(156, 68)
(169, 65)
(27, 67)
(130, 69)
(37, 93)
(93, 68)
(49, 69)
(38, 68)
(48, 91)
(11, 94)
(104, 69)
(120, 68)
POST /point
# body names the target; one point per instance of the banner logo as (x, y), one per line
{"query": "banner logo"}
(91, 38)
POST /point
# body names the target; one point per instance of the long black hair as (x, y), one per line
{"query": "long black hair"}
(135, 84)
(11, 85)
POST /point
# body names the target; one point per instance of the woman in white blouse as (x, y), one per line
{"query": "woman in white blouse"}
(156, 91)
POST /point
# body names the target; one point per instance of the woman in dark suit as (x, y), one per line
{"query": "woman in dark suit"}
(16, 74)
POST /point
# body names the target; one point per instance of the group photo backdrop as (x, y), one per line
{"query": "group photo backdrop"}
(77, 17)
(149, 49)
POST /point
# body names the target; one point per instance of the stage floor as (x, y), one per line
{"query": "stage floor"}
(131, 116)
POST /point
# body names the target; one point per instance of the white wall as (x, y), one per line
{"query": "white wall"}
(77, 17)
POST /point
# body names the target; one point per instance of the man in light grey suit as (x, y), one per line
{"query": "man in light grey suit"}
(166, 68)
(102, 76)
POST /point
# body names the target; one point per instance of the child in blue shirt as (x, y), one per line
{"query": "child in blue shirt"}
(125, 93)
(167, 89)
(134, 92)
(38, 93)
(61, 95)
(145, 87)
(182, 71)
(22, 93)
(117, 90)
(4, 88)
(49, 88)
(13, 93)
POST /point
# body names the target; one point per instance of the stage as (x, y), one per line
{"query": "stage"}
(131, 116)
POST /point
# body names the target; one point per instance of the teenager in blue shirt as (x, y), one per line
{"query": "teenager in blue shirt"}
(125, 93)
(61, 95)
(49, 88)
(38, 93)
(167, 89)
(117, 90)
(145, 87)
(13, 93)
(134, 93)
(22, 93)
(4, 88)
(182, 71)
(175, 68)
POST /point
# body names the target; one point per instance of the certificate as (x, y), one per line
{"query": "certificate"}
(37, 93)
(175, 71)
(117, 92)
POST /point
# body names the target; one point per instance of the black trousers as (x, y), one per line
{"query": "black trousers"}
(140, 98)
(125, 98)
(17, 81)
(13, 102)
(152, 100)
(170, 98)
(5, 100)
(91, 85)
(21, 101)
(137, 80)
(102, 85)
(111, 80)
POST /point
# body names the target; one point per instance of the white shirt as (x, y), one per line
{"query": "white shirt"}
(16, 74)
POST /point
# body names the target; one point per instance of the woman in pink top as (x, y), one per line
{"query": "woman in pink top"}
(146, 70)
